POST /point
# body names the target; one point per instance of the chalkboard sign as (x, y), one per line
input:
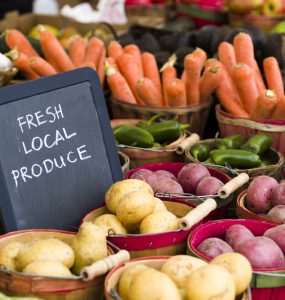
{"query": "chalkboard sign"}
(57, 152)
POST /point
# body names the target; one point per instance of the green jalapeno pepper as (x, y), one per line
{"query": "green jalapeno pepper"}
(236, 158)
(258, 143)
(231, 142)
(133, 136)
(265, 163)
(200, 151)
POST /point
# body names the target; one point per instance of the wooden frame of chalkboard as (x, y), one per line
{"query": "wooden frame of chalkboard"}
(54, 196)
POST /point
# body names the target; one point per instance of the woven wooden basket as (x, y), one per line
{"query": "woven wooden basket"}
(141, 245)
(112, 279)
(273, 170)
(195, 115)
(244, 213)
(125, 162)
(266, 284)
(48, 288)
(229, 124)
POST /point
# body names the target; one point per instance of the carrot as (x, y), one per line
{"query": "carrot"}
(176, 93)
(244, 51)
(226, 55)
(76, 50)
(15, 38)
(89, 65)
(150, 70)
(168, 74)
(93, 51)
(112, 62)
(54, 52)
(101, 66)
(193, 64)
(118, 85)
(183, 77)
(227, 96)
(129, 69)
(243, 76)
(136, 53)
(148, 92)
(279, 110)
(41, 66)
(264, 105)
(21, 61)
(209, 81)
(115, 50)
(273, 76)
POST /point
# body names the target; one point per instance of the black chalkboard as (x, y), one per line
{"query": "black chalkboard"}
(57, 152)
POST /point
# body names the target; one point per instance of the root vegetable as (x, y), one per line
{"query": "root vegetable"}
(143, 174)
(208, 185)
(159, 205)
(166, 185)
(213, 247)
(110, 224)
(237, 234)
(164, 173)
(8, 255)
(277, 213)
(277, 195)
(277, 234)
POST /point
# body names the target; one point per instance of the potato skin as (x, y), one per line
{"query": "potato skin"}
(165, 174)
(159, 205)
(213, 247)
(110, 224)
(48, 249)
(239, 266)
(258, 194)
(160, 221)
(277, 234)
(277, 213)
(166, 185)
(208, 185)
(134, 207)
(127, 277)
(277, 195)
(8, 256)
(143, 174)
(237, 234)
(179, 267)
(151, 284)
(47, 268)
(120, 188)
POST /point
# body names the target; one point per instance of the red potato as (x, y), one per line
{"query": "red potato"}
(237, 234)
(165, 174)
(277, 234)
(166, 185)
(146, 175)
(262, 252)
(277, 195)
(277, 213)
(190, 175)
(208, 185)
(258, 194)
(213, 247)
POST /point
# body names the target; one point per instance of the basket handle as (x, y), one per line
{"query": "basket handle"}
(233, 185)
(197, 214)
(104, 265)
(188, 142)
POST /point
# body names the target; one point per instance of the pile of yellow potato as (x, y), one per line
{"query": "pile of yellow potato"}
(134, 209)
(188, 278)
(53, 257)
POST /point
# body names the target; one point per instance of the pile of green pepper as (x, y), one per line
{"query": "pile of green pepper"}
(235, 151)
(150, 133)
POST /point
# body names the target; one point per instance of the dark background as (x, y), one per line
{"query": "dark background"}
(20, 5)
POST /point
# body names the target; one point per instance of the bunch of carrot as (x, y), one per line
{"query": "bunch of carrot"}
(242, 90)
(81, 53)
(134, 77)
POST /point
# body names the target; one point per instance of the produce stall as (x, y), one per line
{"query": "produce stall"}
(142, 150)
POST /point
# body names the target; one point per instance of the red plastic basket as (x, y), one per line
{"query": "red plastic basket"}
(175, 167)
(266, 284)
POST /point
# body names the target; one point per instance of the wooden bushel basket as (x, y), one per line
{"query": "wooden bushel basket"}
(112, 279)
(229, 124)
(48, 288)
(125, 162)
(195, 115)
(273, 170)
(267, 284)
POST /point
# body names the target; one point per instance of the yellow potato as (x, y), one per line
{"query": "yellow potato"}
(134, 207)
(133, 228)
(47, 268)
(210, 282)
(110, 224)
(239, 267)
(120, 188)
(89, 245)
(127, 277)
(159, 205)
(150, 284)
(160, 221)
(8, 255)
(48, 249)
(179, 267)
